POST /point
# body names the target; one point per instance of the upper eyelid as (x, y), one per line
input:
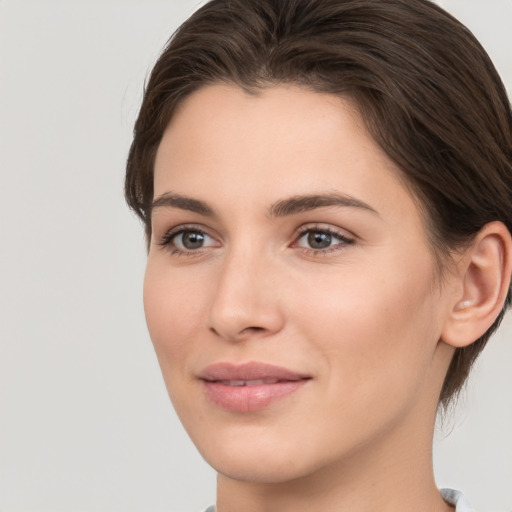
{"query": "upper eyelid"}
(187, 227)
(298, 231)
(327, 228)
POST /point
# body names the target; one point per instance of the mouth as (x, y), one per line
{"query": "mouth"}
(257, 382)
(249, 387)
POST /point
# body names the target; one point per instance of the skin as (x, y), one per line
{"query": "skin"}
(363, 318)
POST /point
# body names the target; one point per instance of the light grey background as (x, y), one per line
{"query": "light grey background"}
(85, 422)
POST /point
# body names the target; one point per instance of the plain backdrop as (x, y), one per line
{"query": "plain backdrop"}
(85, 422)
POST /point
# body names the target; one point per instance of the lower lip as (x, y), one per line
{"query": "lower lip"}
(250, 398)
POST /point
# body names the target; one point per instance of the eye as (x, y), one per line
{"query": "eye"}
(322, 240)
(190, 240)
(187, 240)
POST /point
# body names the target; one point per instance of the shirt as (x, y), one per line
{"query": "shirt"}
(455, 498)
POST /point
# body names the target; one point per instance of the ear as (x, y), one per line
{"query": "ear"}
(484, 272)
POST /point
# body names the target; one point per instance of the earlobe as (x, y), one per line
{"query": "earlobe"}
(485, 271)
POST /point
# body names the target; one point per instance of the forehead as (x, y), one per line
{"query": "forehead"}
(224, 143)
(223, 122)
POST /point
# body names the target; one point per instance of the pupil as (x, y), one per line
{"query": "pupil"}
(319, 240)
(193, 240)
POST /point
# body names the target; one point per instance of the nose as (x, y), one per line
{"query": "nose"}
(244, 302)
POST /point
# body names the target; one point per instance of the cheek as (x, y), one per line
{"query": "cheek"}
(172, 317)
(374, 330)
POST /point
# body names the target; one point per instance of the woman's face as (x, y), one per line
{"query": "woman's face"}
(290, 292)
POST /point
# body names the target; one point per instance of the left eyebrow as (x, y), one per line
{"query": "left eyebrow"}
(299, 204)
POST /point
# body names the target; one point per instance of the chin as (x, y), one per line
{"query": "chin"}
(260, 455)
(264, 470)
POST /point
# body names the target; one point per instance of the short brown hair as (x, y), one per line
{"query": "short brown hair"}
(427, 91)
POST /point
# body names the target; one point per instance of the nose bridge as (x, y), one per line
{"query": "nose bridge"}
(244, 301)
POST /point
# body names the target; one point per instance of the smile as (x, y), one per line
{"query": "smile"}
(249, 387)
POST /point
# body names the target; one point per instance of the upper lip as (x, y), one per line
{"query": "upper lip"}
(251, 371)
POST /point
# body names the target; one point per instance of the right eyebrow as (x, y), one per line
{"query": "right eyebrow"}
(173, 200)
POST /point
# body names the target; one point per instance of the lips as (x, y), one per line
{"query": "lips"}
(256, 382)
(249, 387)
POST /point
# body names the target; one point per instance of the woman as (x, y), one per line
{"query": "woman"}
(326, 190)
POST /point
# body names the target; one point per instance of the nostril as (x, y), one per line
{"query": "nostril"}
(235, 318)
(248, 331)
(245, 331)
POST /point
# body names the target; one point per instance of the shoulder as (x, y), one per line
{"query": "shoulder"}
(455, 498)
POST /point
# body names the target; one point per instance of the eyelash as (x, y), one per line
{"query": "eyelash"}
(167, 240)
(344, 240)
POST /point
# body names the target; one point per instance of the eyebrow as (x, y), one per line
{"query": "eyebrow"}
(172, 200)
(304, 203)
(282, 208)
